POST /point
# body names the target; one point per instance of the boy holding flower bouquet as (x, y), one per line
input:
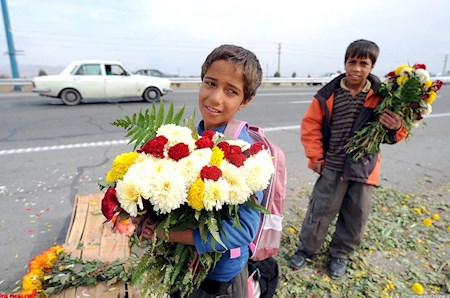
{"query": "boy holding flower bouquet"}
(338, 110)
(230, 77)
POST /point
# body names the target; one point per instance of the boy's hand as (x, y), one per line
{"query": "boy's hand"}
(390, 120)
(144, 228)
(317, 167)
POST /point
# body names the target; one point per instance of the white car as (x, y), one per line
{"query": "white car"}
(99, 79)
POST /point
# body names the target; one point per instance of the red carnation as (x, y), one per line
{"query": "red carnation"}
(419, 116)
(256, 147)
(204, 142)
(235, 149)
(224, 146)
(420, 66)
(155, 147)
(391, 74)
(237, 159)
(208, 134)
(437, 85)
(110, 204)
(211, 173)
(179, 151)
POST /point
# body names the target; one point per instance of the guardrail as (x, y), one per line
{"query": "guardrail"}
(179, 80)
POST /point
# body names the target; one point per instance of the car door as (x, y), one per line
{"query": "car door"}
(89, 81)
(118, 82)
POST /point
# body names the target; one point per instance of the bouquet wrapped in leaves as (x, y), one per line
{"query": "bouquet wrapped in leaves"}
(53, 270)
(181, 180)
(409, 92)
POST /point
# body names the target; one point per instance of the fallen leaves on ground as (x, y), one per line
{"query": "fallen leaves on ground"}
(406, 244)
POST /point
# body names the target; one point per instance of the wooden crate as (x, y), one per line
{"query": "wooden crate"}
(90, 238)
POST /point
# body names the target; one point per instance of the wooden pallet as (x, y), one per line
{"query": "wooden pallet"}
(91, 239)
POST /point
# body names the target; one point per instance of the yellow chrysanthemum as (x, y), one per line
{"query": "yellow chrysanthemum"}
(292, 230)
(399, 69)
(427, 222)
(428, 84)
(435, 216)
(196, 195)
(217, 156)
(417, 288)
(402, 80)
(120, 166)
(417, 210)
(431, 97)
(407, 197)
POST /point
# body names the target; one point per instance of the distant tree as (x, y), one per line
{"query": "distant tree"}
(276, 75)
(42, 73)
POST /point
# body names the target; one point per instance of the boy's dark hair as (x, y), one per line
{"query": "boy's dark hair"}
(241, 58)
(362, 48)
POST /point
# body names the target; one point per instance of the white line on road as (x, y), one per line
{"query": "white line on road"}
(124, 142)
(100, 144)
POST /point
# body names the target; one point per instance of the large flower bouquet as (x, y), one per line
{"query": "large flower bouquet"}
(409, 92)
(181, 180)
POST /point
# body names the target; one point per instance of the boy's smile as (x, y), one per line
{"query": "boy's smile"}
(221, 93)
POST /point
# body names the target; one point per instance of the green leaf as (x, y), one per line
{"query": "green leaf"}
(142, 126)
(214, 230)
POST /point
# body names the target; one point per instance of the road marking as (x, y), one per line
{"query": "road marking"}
(124, 142)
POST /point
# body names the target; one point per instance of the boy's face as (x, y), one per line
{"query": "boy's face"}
(357, 70)
(221, 93)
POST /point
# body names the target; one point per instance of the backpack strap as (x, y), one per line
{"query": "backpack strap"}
(234, 128)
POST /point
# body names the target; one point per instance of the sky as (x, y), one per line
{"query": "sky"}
(305, 37)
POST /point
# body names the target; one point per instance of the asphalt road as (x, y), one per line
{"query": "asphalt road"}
(50, 152)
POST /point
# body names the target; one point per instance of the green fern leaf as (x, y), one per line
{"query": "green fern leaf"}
(213, 228)
(142, 126)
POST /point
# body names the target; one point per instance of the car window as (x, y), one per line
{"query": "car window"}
(115, 70)
(88, 70)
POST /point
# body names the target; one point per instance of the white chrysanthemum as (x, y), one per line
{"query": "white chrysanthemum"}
(257, 170)
(241, 143)
(217, 136)
(191, 165)
(239, 192)
(168, 191)
(415, 124)
(142, 157)
(216, 194)
(133, 188)
(423, 75)
(428, 110)
(407, 71)
(177, 134)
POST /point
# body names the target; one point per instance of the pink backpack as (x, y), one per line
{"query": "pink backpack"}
(268, 238)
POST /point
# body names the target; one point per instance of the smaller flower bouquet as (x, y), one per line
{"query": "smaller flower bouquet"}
(181, 180)
(408, 91)
(54, 270)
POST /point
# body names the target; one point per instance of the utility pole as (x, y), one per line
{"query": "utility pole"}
(279, 57)
(445, 65)
(9, 40)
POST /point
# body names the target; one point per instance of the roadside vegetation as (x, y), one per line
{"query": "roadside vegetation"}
(405, 252)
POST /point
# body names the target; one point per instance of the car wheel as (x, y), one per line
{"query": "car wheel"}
(70, 97)
(151, 94)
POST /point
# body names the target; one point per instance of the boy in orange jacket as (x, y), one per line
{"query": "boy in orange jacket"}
(344, 187)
